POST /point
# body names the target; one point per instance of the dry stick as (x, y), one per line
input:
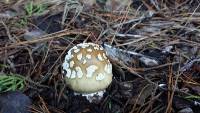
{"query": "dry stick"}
(7, 31)
(130, 21)
(55, 63)
(137, 99)
(189, 41)
(160, 66)
(48, 37)
(170, 85)
(121, 21)
(34, 110)
(152, 100)
(44, 105)
(140, 39)
(45, 57)
(173, 89)
(188, 18)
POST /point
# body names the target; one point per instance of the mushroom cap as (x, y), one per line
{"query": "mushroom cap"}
(87, 69)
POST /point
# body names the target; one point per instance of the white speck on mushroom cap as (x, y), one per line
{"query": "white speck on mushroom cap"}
(70, 51)
(90, 70)
(68, 73)
(73, 75)
(89, 50)
(75, 47)
(83, 45)
(71, 64)
(67, 57)
(65, 65)
(88, 56)
(79, 56)
(108, 68)
(76, 50)
(101, 48)
(79, 72)
(104, 56)
(96, 48)
(99, 57)
(100, 77)
(84, 61)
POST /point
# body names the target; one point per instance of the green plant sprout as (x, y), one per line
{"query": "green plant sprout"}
(3, 66)
(22, 22)
(36, 9)
(11, 82)
(110, 105)
(30, 9)
(193, 97)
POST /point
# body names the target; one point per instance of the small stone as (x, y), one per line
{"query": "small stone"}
(14, 102)
(186, 110)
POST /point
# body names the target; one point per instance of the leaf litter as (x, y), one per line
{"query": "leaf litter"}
(153, 46)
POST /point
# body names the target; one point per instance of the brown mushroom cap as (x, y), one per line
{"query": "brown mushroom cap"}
(87, 69)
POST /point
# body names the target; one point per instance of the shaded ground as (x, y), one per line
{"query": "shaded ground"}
(154, 51)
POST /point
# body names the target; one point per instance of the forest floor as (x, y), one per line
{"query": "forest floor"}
(153, 45)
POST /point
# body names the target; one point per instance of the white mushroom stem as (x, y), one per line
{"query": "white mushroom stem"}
(91, 97)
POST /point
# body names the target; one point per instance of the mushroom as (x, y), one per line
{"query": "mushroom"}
(87, 70)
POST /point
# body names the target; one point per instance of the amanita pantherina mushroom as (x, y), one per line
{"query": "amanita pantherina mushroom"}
(87, 70)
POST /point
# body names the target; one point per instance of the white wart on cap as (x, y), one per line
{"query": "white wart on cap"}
(87, 69)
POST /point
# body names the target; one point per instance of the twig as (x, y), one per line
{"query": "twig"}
(8, 31)
(48, 37)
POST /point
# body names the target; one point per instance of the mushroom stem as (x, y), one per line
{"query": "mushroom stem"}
(92, 97)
